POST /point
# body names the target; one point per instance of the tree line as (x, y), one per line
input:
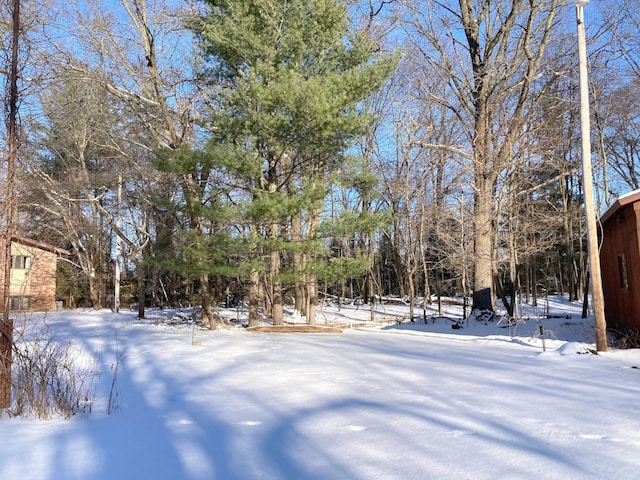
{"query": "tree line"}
(268, 153)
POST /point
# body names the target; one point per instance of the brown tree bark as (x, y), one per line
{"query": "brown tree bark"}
(6, 325)
(254, 297)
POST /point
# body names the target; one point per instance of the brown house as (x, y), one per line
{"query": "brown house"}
(620, 261)
(33, 274)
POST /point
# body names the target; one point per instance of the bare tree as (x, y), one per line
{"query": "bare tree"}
(73, 179)
(621, 143)
(493, 54)
(11, 107)
(139, 53)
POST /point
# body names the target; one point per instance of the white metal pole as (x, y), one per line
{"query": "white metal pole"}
(116, 282)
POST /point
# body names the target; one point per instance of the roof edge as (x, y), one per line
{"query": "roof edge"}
(42, 246)
(622, 200)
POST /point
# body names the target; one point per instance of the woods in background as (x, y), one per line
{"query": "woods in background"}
(268, 153)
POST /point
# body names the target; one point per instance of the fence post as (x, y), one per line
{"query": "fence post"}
(544, 348)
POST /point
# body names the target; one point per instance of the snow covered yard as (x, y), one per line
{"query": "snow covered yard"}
(407, 401)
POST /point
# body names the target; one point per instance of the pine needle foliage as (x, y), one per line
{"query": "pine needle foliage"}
(293, 78)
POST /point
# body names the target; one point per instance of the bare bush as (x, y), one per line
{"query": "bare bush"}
(112, 402)
(51, 377)
(626, 338)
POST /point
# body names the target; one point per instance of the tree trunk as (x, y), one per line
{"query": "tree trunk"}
(483, 242)
(95, 289)
(6, 361)
(299, 260)
(412, 296)
(141, 290)
(298, 287)
(503, 296)
(427, 292)
(312, 298)
(311, 279)
(208, 316)
(513, 273)
(276, 285)
(254, 297)
(398, 263)
(534, 285)
(572, 274)
(560, 278)
(6, 324)
(372, 298)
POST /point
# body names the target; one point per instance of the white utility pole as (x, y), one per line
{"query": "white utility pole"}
(116, 281)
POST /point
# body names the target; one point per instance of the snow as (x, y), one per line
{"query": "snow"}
(386, 401)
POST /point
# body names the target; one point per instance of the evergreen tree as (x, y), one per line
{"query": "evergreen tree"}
(293, 79)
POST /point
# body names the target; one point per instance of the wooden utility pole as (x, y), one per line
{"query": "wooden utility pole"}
(6, 326)
(587, 179)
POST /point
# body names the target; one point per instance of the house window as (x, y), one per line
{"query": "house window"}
(19, 303)
(20, 262)
(622, 271)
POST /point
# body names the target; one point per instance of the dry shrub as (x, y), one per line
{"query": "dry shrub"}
(51, 378)
(116, 368)
(626, 338)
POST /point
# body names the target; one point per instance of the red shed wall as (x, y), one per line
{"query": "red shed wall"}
(620, 237)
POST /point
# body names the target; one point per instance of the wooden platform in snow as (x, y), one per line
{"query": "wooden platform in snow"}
(295, 329)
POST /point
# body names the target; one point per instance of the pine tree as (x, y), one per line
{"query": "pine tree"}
(294, 77)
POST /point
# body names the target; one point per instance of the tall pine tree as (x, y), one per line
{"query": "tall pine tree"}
(294, 77)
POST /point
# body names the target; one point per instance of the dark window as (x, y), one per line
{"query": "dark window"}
(622, 271)
(20, 261)
(19, 303)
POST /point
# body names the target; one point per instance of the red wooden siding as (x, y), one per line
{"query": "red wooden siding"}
(620, 261)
